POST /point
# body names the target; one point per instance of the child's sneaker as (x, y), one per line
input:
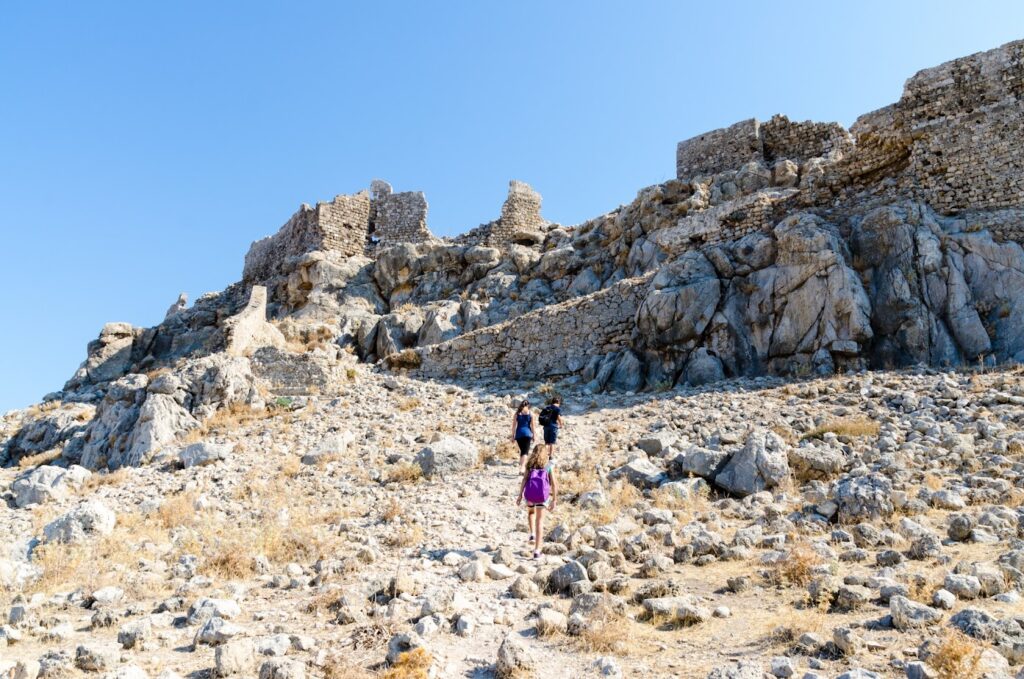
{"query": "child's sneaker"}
(536, 554)
(529, 539)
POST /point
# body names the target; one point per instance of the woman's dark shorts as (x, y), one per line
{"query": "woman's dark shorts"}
(551, 435)
(524, 445)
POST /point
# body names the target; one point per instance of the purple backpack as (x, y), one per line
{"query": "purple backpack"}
(538, 488)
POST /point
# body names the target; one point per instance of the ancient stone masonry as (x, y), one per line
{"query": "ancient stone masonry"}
(339, 226)
(966, 119)
(520, 221)
(397, 217)
(719, 150)
(952, 141)
(783, 138)
(556, 340)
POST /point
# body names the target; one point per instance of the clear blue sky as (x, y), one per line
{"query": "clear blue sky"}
(145, 145)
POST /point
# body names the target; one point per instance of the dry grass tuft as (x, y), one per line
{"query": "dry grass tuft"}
(407, 404)
(98, 480)
(178, 510)
(45, 457)
(503, 450)
(406, 359)
(797, 568)
(341, 667)
(932, 482)
(846, 426)
(392, 511)
(608, 631)
(229, 418)
(406, 535)
(621, 496)
(414, 664)
(956, 657)
(404, 472)
(291, 467)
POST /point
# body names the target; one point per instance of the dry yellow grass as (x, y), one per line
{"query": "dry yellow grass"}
(414, 664)
(290, 467)
(406, 535)
(846, 426)
(98, 480)
(404, 472)
(45, 457)
(608, 631)
(340, 666)
(797, 568)
(956, 657)
(407, 404)
(621, 496)
(392, 510)
(178, 510)
(226, 419)
(406, 359)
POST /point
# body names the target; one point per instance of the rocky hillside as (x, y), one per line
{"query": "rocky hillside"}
(795, 441)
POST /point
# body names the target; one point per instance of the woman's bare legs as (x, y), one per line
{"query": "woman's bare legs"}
(538, 529)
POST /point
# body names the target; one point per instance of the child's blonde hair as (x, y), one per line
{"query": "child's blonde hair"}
(538, 458)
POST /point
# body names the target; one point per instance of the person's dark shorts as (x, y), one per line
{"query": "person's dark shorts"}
(524, 445)
(551, 435)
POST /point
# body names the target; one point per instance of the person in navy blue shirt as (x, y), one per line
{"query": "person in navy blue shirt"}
(553, 423)
(523, 432)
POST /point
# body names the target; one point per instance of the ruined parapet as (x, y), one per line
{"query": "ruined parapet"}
(966, 118)
(520, 220)
(555, 340)
(719, 150)
(249, 330)
(750, 140)
(340, 226)
(397, 217)
(783, 138)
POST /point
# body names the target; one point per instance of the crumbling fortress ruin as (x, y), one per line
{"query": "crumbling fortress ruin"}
(781, 247)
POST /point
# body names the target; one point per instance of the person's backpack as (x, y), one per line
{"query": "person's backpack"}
(547, 416)
(538, 487)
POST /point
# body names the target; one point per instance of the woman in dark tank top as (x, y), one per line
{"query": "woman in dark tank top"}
(523, 432)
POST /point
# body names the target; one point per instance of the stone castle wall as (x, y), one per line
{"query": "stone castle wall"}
(520, 217)
(719, 150)
(398, 217)
(784, 138)
(966, 119)
(951, 141)
(340, 225)
(554, 340)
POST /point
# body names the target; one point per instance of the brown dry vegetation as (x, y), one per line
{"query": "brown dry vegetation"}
(956, 656)
(45, 457)
(404, 472)
(796, 568)
(414, 664)
(846, 426)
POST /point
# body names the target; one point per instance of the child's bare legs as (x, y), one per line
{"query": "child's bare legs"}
(538, 529)
(529, 521)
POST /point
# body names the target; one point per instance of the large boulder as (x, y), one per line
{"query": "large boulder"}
(681, 300)
(442, 322)
(702, 462)
(89, 519)
(448, 455)
(42, 432)
(864, 498)
(761, 464)
(46, 483)
(908, 614)
(703, 367)
(640, 472)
